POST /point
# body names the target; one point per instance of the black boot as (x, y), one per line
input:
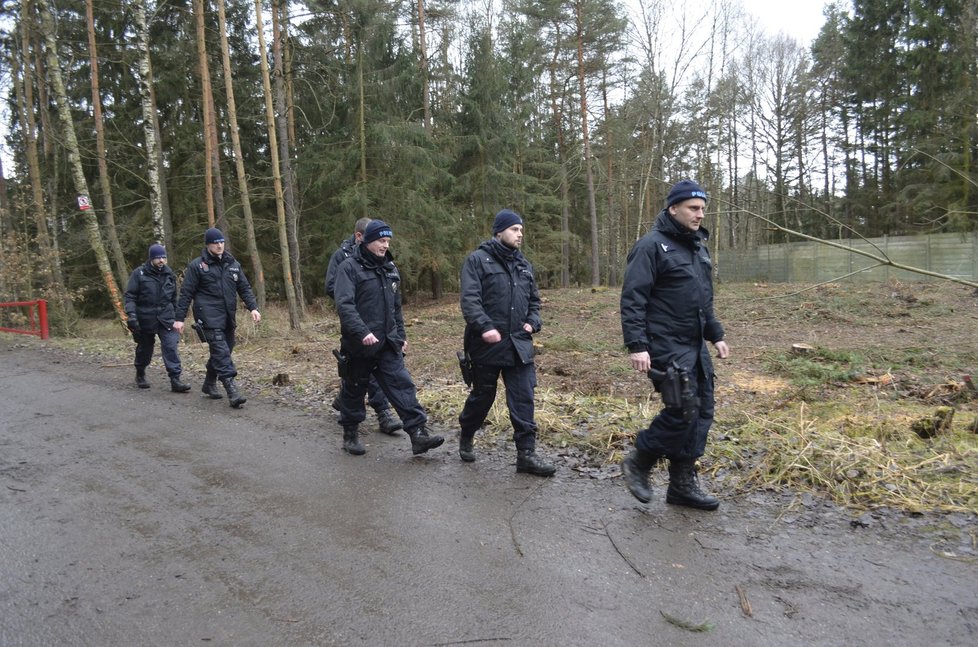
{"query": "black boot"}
(234, 396)
(141, 378)
(421, 441)
(466, 447)
(209, 387)
(635, 468)
(528, 462)
(351, 441)
(684, 487)
(177, 386)
(389, 423)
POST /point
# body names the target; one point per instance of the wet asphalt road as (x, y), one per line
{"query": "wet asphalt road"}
(133, 517)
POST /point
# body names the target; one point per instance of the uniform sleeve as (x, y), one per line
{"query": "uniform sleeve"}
(351, 322)
(635, 294)
(187, 292)
(470, 283)
(533, 312)
(132, 293)
(245, 292)
(334, 263)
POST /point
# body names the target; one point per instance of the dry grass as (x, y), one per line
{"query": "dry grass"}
(837, 424)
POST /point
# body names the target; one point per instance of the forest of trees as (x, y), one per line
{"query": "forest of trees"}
(283, 121)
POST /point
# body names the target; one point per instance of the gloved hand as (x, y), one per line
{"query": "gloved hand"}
(132, 323)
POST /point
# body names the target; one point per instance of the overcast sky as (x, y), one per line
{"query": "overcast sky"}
(801, 19)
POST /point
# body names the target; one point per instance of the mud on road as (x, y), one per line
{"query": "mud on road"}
(152, 518)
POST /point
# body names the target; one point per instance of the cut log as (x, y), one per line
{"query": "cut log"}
(802, 349)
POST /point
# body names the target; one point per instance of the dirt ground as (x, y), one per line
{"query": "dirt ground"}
(146, 517)
(193, 522)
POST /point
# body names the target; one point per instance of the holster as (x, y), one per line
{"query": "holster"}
(465, 365)
(676, 389)
(342, 364)
(198, 327)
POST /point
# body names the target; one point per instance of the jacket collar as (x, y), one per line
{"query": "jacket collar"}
(668, 225)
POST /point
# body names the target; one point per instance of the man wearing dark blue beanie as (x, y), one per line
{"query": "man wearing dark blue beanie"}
(150, 299)
(367, 293)
(667, 318)
(504, 220)
(685, 190)
(389, 422)
(501, 306)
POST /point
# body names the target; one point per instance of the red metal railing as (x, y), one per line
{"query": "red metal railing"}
(38, 322)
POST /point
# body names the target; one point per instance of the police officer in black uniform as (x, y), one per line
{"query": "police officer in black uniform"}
(667, 317)
(213, 281)
(501, 306)
(368, 301)
(150, 301)
(389, 423)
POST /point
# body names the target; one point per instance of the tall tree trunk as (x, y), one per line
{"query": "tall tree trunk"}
(161, 167)
(121, 268)
(74, 158)
(589, 172)
(258, 272)
(612, 221)
(362, 117)
(205, 83)
(50, 260)
(279, 36)
(149, 131)
(283, 239)
(425, 75)
(555, 107)
(4, 213)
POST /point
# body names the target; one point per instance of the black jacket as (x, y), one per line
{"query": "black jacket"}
(499, 291)
(368, 300)
(151, 296)
(667, 296)
(344, 252)
(214, 286)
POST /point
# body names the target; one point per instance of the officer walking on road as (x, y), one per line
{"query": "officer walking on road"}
(368, 301)
(667, 318)
(389, 423)
(150, 302)
(213, 281)
(501, 306)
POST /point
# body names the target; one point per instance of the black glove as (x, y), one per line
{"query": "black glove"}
(132, 323)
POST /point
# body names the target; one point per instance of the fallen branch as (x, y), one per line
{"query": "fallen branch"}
(618, 550)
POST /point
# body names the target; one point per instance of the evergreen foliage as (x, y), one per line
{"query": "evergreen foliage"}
(874, 126)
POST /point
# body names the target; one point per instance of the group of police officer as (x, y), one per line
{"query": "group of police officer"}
(213, 282)
(666, 314)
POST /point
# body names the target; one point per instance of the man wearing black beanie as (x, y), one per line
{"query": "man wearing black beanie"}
(388, 421)
(214, 281)
(150, 299)
(368, 302)
(501, 306)
(667, 318)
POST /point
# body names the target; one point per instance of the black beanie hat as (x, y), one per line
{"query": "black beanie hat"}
(377, 229)
(684, 190)
(213, 235)
(156, 251)
(504, 220)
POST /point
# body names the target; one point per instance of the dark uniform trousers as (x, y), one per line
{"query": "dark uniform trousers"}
(375, 396)
(220, 342)
(520, 382)
(146, 341)
(669, 435)
(387, 367)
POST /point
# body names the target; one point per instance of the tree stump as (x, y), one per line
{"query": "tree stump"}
(938, 423)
